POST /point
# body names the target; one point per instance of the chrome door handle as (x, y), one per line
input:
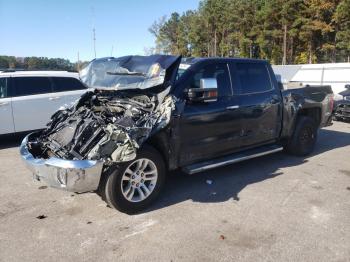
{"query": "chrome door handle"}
(232, 107)
(54, 98)
(4, 103)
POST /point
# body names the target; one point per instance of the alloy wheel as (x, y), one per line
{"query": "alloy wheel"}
(139, 180)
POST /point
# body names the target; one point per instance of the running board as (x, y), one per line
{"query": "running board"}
(234, 158)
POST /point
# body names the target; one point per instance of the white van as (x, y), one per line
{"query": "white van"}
(29, 98)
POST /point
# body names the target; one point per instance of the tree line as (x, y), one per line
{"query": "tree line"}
(38, 63)
(282, 31)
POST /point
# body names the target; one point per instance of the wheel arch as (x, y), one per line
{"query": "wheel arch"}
(160, 142)
(312, 112)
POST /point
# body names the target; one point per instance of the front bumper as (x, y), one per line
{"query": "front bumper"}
(69, 175)
(343, 109)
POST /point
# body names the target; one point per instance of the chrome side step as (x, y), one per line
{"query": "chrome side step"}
(235, 158)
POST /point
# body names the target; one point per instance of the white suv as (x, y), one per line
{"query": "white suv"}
(29, 98)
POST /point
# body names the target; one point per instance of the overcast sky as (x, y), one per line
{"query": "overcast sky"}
(62, 28)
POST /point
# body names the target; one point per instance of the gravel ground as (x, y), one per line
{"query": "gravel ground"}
(274, 208)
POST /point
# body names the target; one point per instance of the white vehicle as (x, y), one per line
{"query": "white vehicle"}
(29, 98)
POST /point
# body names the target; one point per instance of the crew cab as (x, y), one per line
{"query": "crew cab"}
(146, 117)
(29, 98)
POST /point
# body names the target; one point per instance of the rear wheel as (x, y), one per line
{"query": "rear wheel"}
(131, 187)
(304, 137)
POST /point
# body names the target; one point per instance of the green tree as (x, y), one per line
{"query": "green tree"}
(297, 31)
(4, 64)
(342, 23)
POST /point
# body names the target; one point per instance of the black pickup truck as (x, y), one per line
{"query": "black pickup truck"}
(147, 115)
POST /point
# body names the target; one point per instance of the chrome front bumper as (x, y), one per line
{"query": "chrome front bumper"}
(69, 175)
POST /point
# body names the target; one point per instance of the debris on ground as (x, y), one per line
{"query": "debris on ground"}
(222, 237)
(42, 187)
(41, 217)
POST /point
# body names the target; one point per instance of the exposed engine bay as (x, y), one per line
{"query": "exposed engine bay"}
(129, 103)
(104, 124)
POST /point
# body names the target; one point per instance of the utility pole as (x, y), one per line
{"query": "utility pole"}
(112, 51)
(284, 61)
(93, 29)
(94, 39)
(78, 63)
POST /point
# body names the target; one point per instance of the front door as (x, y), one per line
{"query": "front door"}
(208, 129)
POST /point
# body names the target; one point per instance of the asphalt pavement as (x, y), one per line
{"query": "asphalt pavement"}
(273, 208)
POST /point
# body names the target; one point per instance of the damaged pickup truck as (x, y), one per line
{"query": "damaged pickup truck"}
(147, 115)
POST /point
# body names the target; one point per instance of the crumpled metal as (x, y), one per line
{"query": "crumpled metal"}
(128, 141)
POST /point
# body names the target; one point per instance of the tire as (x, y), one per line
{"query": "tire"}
(304, 138)
(337, 118)
(123, 186)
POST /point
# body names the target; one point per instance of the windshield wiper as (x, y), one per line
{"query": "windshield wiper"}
(126, 73)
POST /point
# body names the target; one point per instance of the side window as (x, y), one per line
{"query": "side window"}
(66, 84)
(218, 71)
(25, 86)
(3, 87)
(253, 77)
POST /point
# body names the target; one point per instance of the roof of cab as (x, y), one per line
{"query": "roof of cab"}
(14, 73)
(194, 60)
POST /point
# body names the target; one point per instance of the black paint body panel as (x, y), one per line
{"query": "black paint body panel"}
(203, 131)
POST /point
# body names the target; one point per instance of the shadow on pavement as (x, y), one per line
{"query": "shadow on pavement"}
(228, 182)
(11, 140)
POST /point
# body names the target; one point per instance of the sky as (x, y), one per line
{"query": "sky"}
(62, 28)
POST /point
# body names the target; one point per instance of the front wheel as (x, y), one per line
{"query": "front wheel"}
(304, 137)
(131, 187)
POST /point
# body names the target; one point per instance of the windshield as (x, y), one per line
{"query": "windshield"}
(128, 72)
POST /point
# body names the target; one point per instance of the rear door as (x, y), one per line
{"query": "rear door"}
(33, 102)
(69, 88)
(260, 103)
(6, 119)
(208, 130)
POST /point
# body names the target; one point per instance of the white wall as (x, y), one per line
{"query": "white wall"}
(336, 75)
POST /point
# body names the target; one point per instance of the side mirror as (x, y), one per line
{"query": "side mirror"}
(347, 86)
(207, 92)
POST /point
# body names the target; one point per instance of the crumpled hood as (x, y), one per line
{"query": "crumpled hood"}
(131, 72)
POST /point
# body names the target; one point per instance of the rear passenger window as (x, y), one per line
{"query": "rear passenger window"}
(66, 84)
(25, 86)
(3, 87)
(218, 71)
(253, 77)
